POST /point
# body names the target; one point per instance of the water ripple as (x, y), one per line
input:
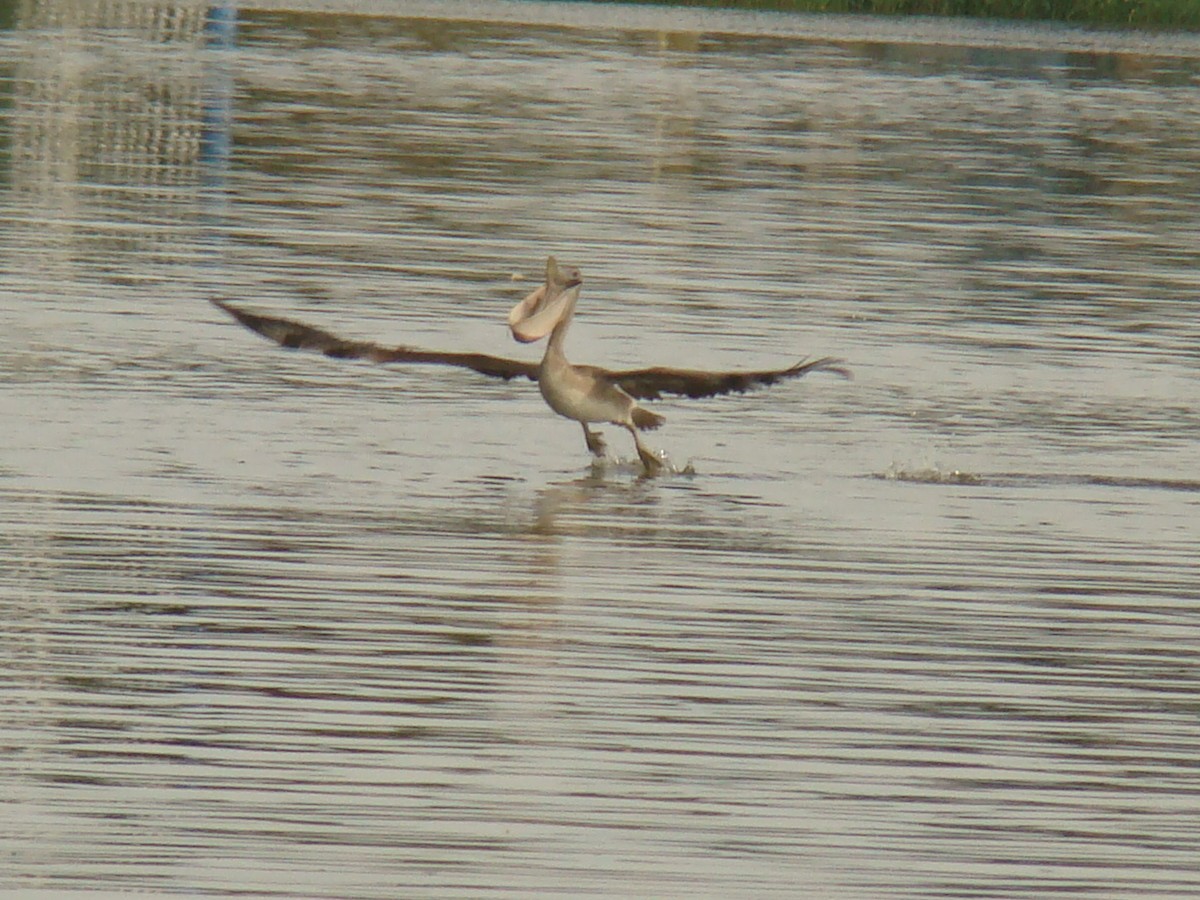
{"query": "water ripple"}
(281, 625)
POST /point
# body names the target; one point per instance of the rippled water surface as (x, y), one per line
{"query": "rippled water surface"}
(281, 625)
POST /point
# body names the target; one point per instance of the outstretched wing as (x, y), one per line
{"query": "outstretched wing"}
(651, 384)
(644, 384)
(298, 336)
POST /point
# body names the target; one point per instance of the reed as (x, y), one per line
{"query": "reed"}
(1156, 14)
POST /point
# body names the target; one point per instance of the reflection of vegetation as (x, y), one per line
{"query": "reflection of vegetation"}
(1140, 13)
(6, 104)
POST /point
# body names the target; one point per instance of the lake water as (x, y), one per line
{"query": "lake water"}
(280, 625)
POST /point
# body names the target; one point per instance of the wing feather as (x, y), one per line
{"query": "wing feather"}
(298, 336)
(651, 384)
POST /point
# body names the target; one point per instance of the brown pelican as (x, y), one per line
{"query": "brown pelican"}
(587, 394)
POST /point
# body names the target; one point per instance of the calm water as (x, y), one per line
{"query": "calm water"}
(278, 625)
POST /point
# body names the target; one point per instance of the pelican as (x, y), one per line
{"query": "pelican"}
(587, 394)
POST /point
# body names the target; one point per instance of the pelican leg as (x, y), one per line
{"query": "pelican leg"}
(652, 463)
(595, 441)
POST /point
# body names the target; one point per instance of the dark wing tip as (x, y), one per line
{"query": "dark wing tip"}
(298, 336)
(832, 364)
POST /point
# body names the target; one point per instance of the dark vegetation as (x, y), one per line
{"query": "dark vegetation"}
(1157, 14)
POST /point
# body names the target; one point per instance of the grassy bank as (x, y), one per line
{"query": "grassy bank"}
(1161, 14)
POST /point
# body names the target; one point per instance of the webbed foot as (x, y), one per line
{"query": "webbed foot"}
(652, 463)
(595, 442)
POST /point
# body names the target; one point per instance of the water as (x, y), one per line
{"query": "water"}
(279, 625)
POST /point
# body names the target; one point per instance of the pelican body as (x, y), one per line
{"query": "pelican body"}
(582, 393)
(586, 394)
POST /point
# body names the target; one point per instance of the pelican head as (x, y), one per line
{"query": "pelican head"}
(538, 314)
